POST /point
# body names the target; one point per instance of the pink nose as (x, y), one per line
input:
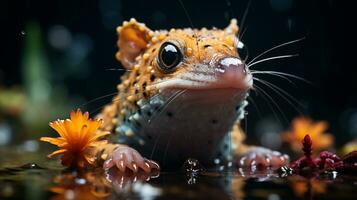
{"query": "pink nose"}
(232, 72)
(231, 63)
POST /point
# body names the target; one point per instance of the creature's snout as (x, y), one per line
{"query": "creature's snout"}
(227, 64)
(233, 73)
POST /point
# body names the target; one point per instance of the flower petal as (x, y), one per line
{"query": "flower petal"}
(55, 141)
(58, 152)
(98, 135)
(57, 126)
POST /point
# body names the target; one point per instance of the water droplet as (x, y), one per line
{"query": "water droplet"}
(217, 161)
(221, 168)
(23, 32)
(285, 171)
(80, 181)
(331, 174)
(31, 166)
(191, 179)
(192, 165)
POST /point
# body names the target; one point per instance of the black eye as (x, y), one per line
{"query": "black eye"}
(242, 51)
(169, 57)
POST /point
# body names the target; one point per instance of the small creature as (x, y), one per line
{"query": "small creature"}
(182, 96)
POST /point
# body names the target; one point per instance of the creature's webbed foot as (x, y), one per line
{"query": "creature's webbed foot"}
(128, 159)
(262, 158)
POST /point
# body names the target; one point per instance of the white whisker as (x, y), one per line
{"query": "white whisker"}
(274, 103)
(280, 92)
(271, 49)
(118, 69)
(259, 91)
(282, 75)
(271, 58)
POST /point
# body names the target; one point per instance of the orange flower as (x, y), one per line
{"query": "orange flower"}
(78, 138)
(93, 186)
(304, 125)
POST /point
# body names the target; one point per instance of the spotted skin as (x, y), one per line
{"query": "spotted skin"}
(192, 111)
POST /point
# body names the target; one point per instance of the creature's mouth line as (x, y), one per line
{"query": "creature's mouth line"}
(215, 86)
(232, 84)
(206, 94)
(208, 89)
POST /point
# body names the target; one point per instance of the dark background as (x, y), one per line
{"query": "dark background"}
(326, 55)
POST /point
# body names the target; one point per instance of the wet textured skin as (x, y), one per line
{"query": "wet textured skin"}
(190, 111)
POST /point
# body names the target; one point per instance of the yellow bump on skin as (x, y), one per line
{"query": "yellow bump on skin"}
(125, 23)
(228, 39)
(154, 39)
(122, 112)
(136, 86)
(120, 87)
(126, 82)
(119, 28)
(153, 62)
(189, 51)
(151, 33)
(132, 20)
(117, 55)
(142, 28)
(136, 67)
(138, 58)
(130, 98)
(129, 133)
(172, 30)
(148, 88)
(104, 156)
(146, 56)
(152, 71)
(161, 36)
(114, 120)
(148, 69)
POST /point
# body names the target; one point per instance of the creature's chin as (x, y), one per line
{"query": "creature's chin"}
(207, 95)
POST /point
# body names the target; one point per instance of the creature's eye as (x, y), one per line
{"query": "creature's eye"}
(169, 57)
(242, 51)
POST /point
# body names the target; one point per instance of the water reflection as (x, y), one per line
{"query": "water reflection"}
(39, 182)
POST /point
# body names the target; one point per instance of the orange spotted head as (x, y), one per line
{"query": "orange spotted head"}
(184, 58)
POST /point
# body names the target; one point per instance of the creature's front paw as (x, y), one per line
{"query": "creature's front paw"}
(262, 158)
(127, 158)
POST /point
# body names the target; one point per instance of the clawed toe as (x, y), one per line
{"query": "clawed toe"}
(263, 158)
(128, 159)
